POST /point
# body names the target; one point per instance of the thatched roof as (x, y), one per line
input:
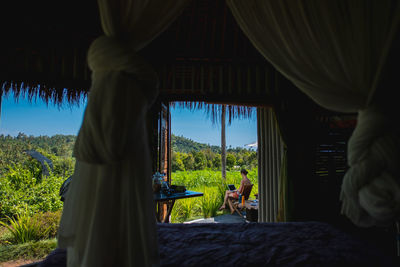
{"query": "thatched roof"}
(203, 55)
(44, 46)
(214, 111)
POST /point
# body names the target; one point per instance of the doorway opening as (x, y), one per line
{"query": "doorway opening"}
(198, 134)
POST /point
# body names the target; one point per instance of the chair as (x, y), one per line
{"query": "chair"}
(234, 203)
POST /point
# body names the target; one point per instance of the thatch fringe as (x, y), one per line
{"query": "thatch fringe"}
(33, 91)
(215, 110)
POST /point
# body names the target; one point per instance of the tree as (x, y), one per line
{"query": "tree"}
(209, 164)
(200, 161)
(22, 136)
(216, 161)
(177, 162)
(188, 160)
(240, 162)
(208, 153)
(230, 161)
(253, 161)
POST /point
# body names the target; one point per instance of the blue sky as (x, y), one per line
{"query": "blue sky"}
(37, 118)
(198, 127)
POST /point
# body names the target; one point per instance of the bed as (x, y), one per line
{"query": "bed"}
(258, 244)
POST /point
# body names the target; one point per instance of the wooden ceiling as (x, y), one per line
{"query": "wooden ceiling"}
(205, 31)
(42, 23)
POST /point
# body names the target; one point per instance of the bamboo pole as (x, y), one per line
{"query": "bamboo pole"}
(223, 142)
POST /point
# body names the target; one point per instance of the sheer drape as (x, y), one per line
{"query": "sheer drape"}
(271, 151)
(334, 52)
(108, 217)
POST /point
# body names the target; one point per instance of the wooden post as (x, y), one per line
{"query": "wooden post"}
(223, 143)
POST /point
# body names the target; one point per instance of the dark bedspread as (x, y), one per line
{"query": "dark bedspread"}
(264, 244)
(258, 244)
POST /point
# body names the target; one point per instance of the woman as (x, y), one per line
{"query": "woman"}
(235, 193)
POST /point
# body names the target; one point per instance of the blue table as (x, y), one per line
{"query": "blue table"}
(169, 200)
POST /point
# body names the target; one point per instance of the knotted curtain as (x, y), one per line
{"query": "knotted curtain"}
(108, 217)
(334, 52)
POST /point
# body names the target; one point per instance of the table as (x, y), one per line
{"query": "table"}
(251, 210)
(248, 204)
(169, 200)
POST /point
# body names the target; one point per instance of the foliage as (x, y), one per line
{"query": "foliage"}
(194, 165)
(200, 161)
(25, 228)
(21, 181)
(196, 179)
(221, 190)
(230, 161)
(58, 147)
(213, 187)
(189, 155)
(177, 161)
(216, 162)
(5, 236)
(207, 178)
(210, 202)
(48, 223)
(30, 250)
(176, 214)
(186, 145)
(187, 207)
(184, 209)
(21, 187)
(188, 161)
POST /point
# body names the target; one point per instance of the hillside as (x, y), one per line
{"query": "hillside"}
(190, 155)
(186, 145)
(186, 153)
(55, 147)
(62, 145)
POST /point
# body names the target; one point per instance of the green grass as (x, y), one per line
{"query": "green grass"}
(28, 251)
(15, 243)
(23, 228)
(210, 202)
(208, 182)
(6, 237)
(211, 184)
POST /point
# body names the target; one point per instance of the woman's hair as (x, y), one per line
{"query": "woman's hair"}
(244, 171)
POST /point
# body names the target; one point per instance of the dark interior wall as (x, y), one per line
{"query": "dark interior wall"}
(297, 118)
(300, 163)
(314, 196)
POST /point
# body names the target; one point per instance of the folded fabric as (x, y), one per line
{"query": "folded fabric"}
(371, 187)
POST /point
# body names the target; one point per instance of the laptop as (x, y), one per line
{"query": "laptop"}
(231, 187)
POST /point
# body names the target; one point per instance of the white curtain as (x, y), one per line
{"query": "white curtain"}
(271, 149)
(108, 217)
(334, 52)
